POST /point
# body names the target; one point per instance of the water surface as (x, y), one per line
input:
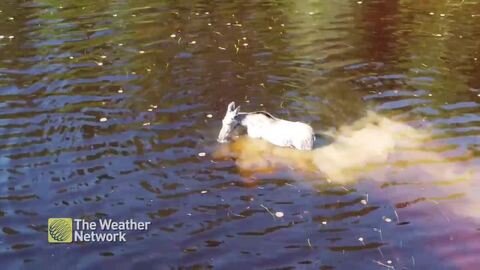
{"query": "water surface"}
(105, 105)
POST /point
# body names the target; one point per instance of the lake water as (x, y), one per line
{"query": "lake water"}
(110, 109)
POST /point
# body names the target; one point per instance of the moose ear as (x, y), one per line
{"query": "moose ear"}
(237, 110)
(231, 106)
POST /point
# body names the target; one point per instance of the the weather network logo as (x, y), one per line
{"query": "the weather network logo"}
(77, 230)
(60, 230)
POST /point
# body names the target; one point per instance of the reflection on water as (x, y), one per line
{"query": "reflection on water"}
(106, 105)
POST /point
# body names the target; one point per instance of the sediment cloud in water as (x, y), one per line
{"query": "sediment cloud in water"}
(354, 150)
(374, 148)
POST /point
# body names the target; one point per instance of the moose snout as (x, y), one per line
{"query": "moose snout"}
(222, 138)
(223, 134)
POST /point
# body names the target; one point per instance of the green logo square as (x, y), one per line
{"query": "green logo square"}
(60, 230)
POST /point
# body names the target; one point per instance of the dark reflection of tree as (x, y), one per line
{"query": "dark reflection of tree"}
(473, 73)
(379, 39)
(380, 21)
(16, 43)
(463, 33)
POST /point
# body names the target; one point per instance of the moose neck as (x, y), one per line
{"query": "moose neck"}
(242, 119)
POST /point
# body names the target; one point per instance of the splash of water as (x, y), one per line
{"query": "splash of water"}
(369, 143)
(355, 149)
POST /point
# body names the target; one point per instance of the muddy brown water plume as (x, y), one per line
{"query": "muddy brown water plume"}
(355, 149)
